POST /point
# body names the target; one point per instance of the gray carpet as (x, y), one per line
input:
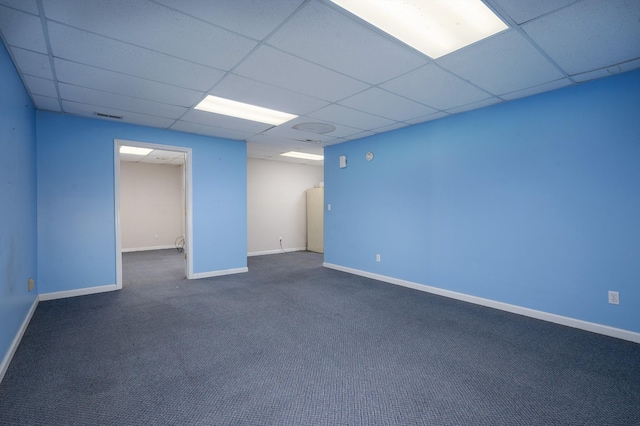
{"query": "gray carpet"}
(292, 343)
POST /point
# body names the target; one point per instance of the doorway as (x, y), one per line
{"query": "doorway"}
(156, 154)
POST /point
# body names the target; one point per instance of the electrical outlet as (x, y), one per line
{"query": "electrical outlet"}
(614, 298)
(156, 236)
(31, 284)
(377, 258)
(280, 238)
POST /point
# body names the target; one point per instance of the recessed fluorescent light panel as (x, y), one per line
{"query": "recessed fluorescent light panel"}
(303, 155)
(134, 150)
(245, 111)
(434, 27)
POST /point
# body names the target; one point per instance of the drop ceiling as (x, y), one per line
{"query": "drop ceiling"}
(150, 62)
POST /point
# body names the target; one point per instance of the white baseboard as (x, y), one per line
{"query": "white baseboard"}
(16, 340)
(532, 313)
(129, 250)
(277, 251)
(219, 273)
(78, 292)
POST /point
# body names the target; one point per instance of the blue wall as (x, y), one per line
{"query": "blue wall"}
(76, 224)
(534, 202)
(17, 202)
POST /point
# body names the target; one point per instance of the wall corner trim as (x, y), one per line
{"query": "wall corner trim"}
(78, 292)
(4, 366)
(532, 313)
(220, 273)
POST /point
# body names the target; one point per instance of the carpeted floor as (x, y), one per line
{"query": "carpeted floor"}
(292, 343)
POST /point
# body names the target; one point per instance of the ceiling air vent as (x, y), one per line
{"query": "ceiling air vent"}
(115, 117)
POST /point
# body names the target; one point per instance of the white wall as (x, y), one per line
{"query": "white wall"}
(151, 202)
(276, 204)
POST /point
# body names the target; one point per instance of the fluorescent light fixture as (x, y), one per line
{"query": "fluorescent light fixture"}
(134, 150)
(245, 111)
(434, 27)
(303, 155)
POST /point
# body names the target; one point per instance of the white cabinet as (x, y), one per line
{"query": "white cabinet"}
(315, 220)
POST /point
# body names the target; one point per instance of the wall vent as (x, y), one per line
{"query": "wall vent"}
(100, 114)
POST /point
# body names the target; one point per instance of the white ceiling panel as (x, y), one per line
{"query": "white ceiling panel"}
(429, 117)
(384, 104)
(129, 117)
(537, 89)
(587, 35)
(119, 102)
(350, 117)
(607, 72)
(501, 64)
(154, 27)
(69, 43)
(40, 86)
(526, 10)
(475, 105)
(252, 18)
(201, 129)
(46, 103)
(433, 86)
(272, 66)
(321, 34)
(22, 30)
(224, 121)
(25, 5)
(32, 63)
(152, 61)
(265, 95)
(109, 81)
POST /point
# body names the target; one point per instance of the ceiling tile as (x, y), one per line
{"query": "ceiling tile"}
(201, 129)
(389, 128)
(21, 29)
(224, 121)
(109, 81)
(429, 117)
(40, 86)
(279, 145)
(265, 95)
(384, 104)
(32, 63)
(433, 86)
(252, 18)
(25, 5)
(501, 64)
(81, 46)
(321, 34)
(154, 27)
(525, 10)
(563, 82)
(475, 105)
(607, 72)
(286, 131)
(128, 117)
(125, 103)
(589, 35)
(350, 117)
(272, 66)
(46, 103)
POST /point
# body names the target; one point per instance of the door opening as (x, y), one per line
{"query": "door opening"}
(141, 235)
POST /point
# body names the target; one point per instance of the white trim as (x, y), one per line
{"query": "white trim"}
(4, 366)
(532, 313)
(129, 250)
(78, 292)
(278, 251)
(220, 273)
(188, 201)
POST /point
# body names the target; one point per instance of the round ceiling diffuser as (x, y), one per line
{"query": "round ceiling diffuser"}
(318, 128)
